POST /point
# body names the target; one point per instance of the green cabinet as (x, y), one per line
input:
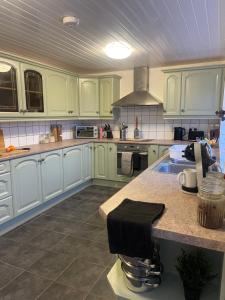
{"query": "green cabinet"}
(87, 162)
(89, 97)
(72, 167)
(194, 92)
(72, 96)
(101, 160)
(26, 183)
(33, 84)
(163, 149)
(11, 100)
(201, 92)
(6, 209)
(109, 92)
(51, 174)
(172, 93)
(153, 154)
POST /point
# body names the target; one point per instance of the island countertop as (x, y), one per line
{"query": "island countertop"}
(179, 221)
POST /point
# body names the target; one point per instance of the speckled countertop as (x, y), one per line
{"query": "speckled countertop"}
(40, 148)
(179, 222)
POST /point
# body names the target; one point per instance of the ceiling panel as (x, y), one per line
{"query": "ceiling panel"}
(160, 32)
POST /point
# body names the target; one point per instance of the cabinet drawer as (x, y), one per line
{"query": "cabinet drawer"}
(6, 210)
(4, 167)
(5, 186)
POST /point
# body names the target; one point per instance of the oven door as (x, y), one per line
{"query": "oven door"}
(140, 162)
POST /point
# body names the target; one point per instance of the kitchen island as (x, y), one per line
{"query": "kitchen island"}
(179, 221)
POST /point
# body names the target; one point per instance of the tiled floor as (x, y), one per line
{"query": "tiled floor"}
(61, 254)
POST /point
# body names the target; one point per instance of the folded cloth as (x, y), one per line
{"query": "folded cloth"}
(127, 163)
(129, 228)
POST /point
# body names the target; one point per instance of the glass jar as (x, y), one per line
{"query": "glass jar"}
(211, 207)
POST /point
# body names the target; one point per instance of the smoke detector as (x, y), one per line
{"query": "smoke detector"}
(70, 21)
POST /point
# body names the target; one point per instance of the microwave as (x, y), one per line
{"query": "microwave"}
(86, 132)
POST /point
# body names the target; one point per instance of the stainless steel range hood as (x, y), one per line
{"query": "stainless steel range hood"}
(140, 95)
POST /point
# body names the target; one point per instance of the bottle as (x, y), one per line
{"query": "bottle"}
(100, 133)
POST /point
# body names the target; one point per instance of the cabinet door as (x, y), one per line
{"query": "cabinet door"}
(56, 90)
(88, 97)
(33, 87)
(101, 160)
(6, 210)
(26, 183)
(201, 91)
(163, 150)
(51, 174)
(109, 93)
(172, 93)
(87, 161)
(72, 96)
(11, 102)
(112, 162)
(72, 167)
(153, 154)
(5, 186)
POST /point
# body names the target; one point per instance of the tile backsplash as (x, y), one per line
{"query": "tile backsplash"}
(150, 119)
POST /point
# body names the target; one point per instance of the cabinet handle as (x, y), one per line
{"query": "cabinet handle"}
(182, 110)
(71, 111)
(153, 151)
(164, 110)
(22, 111)
(110, 111)
(91, 147)
(64, 154)
(97, 112)
(110, 148)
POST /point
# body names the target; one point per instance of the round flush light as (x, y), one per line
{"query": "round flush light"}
(70, 21)
(118, 50)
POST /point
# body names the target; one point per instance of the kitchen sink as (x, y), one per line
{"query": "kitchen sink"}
(174, 168)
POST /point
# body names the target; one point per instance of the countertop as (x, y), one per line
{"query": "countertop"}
(40, 148)
(179, 221)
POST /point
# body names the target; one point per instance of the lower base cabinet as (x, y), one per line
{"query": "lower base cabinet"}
(101, 160)
(72, 167)
(51, 174)
(87, 161)
(26, 183)
(6, 210)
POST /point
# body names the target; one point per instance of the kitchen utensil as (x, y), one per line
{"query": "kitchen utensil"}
(195, 134)
(123, 132)
(136, 130)
(179, 133)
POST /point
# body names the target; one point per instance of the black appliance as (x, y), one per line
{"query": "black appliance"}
(179, 133)
(193, 134)
(139, 157)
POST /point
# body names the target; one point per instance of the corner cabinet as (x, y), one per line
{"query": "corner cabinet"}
(72, 167)
(87, 161)
(26, 183)
(101, 160)
(109, 92)
(195, 92)
(89, 97)
(51, 174)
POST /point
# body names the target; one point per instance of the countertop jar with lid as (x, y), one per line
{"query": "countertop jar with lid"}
(211, 206)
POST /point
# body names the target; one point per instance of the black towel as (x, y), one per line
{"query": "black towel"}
(129, 228)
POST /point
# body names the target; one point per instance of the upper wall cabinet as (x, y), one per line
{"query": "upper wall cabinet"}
(201, 92)
(172, 94)
(34, 90)
(10, 88)
(109, 90)
(56, 88)
(193, 92)
(72, 96)
(89, 97)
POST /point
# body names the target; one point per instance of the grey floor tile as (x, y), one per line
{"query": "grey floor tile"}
(94, 297)
(51, 265)
(8, 273)
(47, 239)
(23, 256)
(81, 274)
(97, 220)
(7, 246)
(23, 233)
(103, 289)
(87, 231)
(26, 287)
(61, 292)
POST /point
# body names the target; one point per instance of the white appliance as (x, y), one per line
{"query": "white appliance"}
(86, 132)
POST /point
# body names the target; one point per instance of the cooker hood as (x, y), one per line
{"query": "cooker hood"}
(140, 95)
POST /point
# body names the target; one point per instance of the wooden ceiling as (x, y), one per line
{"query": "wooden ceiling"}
(161, 32)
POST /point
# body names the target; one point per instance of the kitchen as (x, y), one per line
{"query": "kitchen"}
(95, 99)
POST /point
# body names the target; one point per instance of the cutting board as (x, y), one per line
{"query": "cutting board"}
(15, 152)
(2, 142)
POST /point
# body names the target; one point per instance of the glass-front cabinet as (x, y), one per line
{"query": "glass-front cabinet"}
(33, 87)
(10, 92)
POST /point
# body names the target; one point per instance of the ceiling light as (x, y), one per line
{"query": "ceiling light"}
(70, 20)
(118, 50)
(5, 68)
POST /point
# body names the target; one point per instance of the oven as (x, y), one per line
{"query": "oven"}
(139, 158)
